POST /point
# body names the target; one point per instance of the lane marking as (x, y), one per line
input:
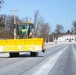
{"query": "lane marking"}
(74, 51)
(48, 65)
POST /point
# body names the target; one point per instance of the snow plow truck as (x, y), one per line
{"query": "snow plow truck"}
(24, 41)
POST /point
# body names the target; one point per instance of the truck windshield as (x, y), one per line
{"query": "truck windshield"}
(21, 26)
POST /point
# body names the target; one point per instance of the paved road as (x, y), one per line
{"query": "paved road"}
(58, 60)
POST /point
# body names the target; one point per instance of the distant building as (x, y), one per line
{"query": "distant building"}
(66, 38)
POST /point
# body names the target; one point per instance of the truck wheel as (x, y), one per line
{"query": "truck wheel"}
(14, 54)
(34, 54)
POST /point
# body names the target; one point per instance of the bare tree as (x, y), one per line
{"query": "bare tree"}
(2, 22)
(8, 21)
(45, 31)
(1, 3)
(38, 21)
(73, 29)
(59, 29)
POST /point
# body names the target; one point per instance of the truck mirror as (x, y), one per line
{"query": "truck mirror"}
(32, 25)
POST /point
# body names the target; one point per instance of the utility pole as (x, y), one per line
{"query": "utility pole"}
(48, 38)
(14, 11)
(68, 26)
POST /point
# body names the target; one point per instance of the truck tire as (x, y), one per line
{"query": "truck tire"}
(34, 54)
(15, 54)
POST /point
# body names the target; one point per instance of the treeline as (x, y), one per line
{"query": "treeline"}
(59, 30)
(41, 28)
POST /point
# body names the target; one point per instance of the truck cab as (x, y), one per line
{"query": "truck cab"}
(28, 26)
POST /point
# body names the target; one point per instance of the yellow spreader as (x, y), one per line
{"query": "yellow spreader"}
(21, 45)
